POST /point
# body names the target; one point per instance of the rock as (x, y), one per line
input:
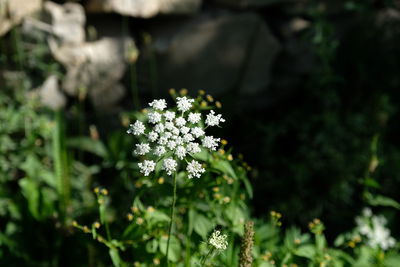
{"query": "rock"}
(50, 94)
(13, 11)
(144, 8)
(248, 3)
(216, 53)
(67, 21)
(96, 67)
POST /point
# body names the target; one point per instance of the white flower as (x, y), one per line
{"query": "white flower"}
(142, 149)
(214, 120)
(163, 140)
(171, 144)
(169, 165)
(374, 229)
(188, 138)
(159, 104)
(210, 142)
(184, 103)
(180, 152)
(137, 128)
(169, 125)
(159, 128)
(159, 151)
(146, 167)
(180, 122)
(154, 117)
(218, 241)
(194, 117)
(152, 136)
(193, 148)
(178, 140)
(194, 169)
(197, 132)
(169, 115)
(185, 130)
(175, 131)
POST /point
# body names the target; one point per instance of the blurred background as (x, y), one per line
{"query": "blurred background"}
(309, 89)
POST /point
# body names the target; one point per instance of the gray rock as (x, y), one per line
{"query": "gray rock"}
(13, 11)
(216, 53)
(248, 3)
(96, 67)
(67, 21)
(144, 8)
(50, 94)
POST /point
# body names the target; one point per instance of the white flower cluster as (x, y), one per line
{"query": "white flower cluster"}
(218, 241)
(374, 229)
(171, 136)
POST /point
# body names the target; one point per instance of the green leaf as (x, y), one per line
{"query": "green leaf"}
(202, 225)
(225, 167)
(379, 200)
(174, 248)
(116, 260)
(30, 190)
(89, 145)
(306, 251)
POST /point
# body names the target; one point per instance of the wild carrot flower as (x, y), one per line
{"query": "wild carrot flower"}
(218, 241)
(173, 136)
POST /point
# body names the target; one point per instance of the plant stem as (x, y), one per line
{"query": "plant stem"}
(172, 216)
(204, 260)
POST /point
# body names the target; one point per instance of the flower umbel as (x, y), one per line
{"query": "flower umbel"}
(218, 241)
(174, 136)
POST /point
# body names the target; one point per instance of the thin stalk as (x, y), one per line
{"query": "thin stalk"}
(134, 85)
(204, 260)
(61, 162)
(172, 216)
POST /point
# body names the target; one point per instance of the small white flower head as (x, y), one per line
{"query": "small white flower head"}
(197, 132)
(171, 145)
(158, 104)
(137, 128)
(188, 138)
(178, 140)
(153, 135)
(169, 115)
(159, 151)
(154, 117)
(184, 103)
(374, 229)
(214, 120)
(146, 167)
(142, 149)
(163, 140)
(218, 241)
(159, 128)
(180, 122)
(210, 142)
(194, 117)
(185, 130)
(193, 148)
(180, 152)
(169, 165)
(194, 169)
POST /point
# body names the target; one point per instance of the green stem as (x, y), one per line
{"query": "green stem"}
(61, 162)
(204, 260)
(172, 216)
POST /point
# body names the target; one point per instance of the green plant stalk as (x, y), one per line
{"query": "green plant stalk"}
(172, 216)
(204, 260)
(16, 34)
(61, 163)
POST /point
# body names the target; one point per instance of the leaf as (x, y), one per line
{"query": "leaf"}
(30, 190)
(379, 200)
(225, 167)
(174, 248)
(202, 225)
(89, 145)
(306, 251)
(114, 254)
